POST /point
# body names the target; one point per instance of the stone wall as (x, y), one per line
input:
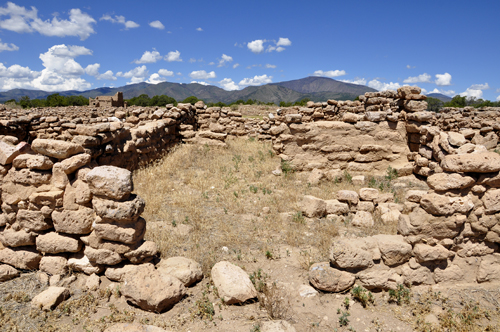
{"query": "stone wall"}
(111, 136)
(60, 210)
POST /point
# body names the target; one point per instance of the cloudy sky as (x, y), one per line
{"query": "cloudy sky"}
(442, 46)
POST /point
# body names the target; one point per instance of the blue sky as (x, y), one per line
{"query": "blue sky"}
(450, 47)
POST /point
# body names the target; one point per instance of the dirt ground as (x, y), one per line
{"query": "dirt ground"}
(213, 204)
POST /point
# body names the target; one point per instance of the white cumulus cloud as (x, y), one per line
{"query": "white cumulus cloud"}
(157, 25)
(356, 80)
(224, 59)
(381, 86)
(120, 20)
(450, 93)
(136, 75)
(22, 20)
(256, 46)
(498, 98)
(202, 75)
(149, 57)
(200, 82)
(199, 29)
(165, 72)
(270, 66)
(236, 65)
(284, 42)
(8, 47)
(173, 56)
(93, 70)
(484, 86)
(472, 93)
(155, 79)
(443, 79)
(256, 80)
(228, 84)
(330, 73)
(423, 78)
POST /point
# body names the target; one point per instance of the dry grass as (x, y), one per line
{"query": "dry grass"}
(201, 199)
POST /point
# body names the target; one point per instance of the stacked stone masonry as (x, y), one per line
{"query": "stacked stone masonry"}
(65, 204)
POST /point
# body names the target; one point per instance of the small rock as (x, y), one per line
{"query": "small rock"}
(50, 298)
(233, 283)
(186, 270)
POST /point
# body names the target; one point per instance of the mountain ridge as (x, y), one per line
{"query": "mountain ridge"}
(314, 88)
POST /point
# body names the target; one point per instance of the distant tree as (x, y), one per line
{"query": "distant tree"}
(357, 98)
(250, 102)
(55, 100)
(162, 101)
(25, 102)
(434, 104)
(302, 102)
(285, 104)
(191, 100)
(38, 103)
(457, 101)
(142, 100)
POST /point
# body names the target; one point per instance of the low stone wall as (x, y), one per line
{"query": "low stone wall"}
(115, 136)
(60, 210)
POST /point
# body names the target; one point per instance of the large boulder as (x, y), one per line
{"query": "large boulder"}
(54, 265)
(328, 279)
(491, 201)
(110, 181)
(11, 238)
(481, 162)
(125, 233)
(56, 148)
(233, 283)
(185, 269)
(151, 290)
(489, 268)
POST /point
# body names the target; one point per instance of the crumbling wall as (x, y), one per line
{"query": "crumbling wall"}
(60, 210)
(111, 136)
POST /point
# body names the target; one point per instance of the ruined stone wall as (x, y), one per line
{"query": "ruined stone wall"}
(61, 210)
(111, 136)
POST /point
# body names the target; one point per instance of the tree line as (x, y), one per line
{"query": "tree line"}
(434, 104)
(56, 100)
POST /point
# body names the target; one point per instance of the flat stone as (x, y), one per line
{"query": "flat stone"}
(56, 148)
(54, 243)
(481, 162)
(50, 298)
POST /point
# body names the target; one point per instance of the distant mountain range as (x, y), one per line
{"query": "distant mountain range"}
(439, 96)
(314, 88)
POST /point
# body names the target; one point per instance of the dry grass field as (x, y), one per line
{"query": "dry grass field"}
(213, 204)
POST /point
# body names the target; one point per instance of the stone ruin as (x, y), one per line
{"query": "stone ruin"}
(66, 203)
(108, 101)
